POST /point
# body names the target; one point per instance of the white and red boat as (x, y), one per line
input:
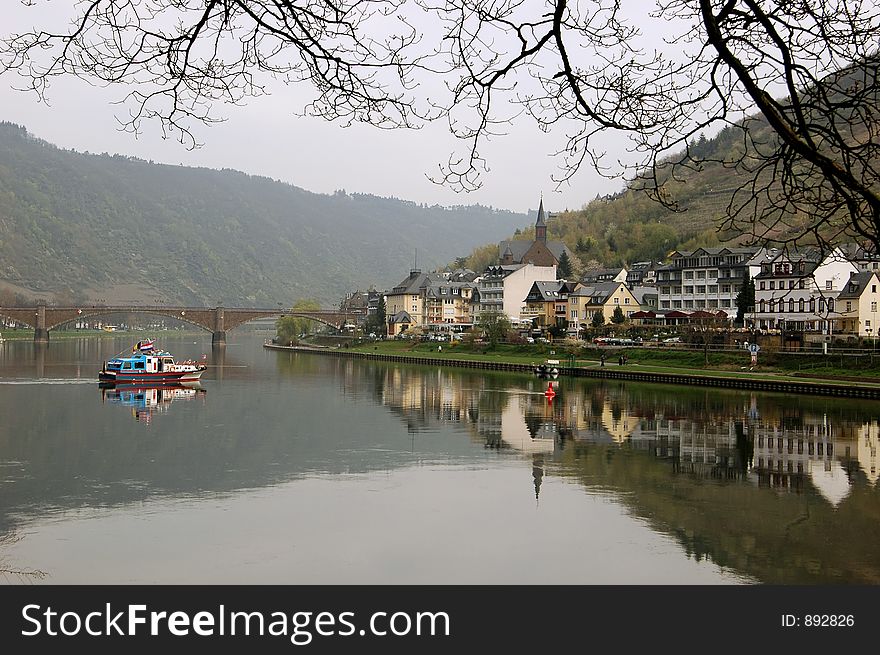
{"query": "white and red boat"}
(149, 364)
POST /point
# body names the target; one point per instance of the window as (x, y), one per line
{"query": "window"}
(763, 307)
(126, 365)
(801, 305)
(701, 275)
(713, 288)
(790, 305)
(139, 365)
(688, 289)
(848, 306)
(626, 301)
(772, 285)
(802, 284)
(762, 285)
(701, 288)
(812, 305)
(688, 304)
(725, 288)
(831, 304)
(617, 301)
(664, 291)
(791, 284)
(688, 275)
(829, 285)
(873, 306)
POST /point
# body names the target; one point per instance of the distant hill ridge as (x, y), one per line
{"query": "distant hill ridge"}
(109, 228)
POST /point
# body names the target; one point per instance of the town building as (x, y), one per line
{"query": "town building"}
(587, 300)
(797, 290)
(857, 305)
(707, 278)
(406, 297)
(448, 304)
(596, 275)
(641, 274)
(546, 304)
(504, 288)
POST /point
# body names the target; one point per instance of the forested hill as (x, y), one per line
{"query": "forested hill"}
(101, 228)
(627, 227)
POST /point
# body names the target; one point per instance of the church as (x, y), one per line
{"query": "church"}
(539, 252)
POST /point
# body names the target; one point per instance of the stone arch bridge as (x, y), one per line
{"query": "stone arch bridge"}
(217, 321)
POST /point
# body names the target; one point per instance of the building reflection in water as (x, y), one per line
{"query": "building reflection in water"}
(144, 401)
(780, 445)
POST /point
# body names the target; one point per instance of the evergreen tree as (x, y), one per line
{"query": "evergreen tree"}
(598, 319)
(563, 269)
(618, 317)
(745, 299)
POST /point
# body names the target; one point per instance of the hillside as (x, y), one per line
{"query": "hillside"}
(629, 226)
(108, 228)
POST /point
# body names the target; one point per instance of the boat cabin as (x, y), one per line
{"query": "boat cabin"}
(155, 363)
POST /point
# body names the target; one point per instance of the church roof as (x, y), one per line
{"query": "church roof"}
(518, 248)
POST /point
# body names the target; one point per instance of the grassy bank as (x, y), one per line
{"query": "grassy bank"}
(861, 368)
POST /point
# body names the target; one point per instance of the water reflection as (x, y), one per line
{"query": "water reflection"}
(783, 489)
(146, 401)
(772, 488)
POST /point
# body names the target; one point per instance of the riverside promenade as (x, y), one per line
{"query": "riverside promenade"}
(768, 382)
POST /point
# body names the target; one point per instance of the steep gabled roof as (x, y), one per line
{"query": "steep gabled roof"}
(856, 285)
(547, 291)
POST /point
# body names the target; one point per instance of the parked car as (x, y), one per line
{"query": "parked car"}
(530, 340)
(543, 340)
(672, 340)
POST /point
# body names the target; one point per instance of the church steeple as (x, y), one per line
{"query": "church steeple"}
(540, 225)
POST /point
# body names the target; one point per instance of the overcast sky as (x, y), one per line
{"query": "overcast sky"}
(265, 137)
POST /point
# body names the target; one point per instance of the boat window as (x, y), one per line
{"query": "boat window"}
(168, 360)
(138, 364)
(126, 365)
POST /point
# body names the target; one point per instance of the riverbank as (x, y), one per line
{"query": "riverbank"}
(580, 367)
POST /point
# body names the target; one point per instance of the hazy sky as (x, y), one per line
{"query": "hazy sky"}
(265, 137)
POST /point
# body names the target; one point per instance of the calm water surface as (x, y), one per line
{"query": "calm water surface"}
(307, 469)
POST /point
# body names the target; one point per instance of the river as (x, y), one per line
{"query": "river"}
(297, 468)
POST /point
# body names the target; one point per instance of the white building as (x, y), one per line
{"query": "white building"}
(504, 288)
(857, 305)
(798, 291)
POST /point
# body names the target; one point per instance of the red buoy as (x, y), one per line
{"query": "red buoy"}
(550, 392)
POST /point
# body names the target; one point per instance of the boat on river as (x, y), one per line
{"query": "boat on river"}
(549, 369)
(146, 363)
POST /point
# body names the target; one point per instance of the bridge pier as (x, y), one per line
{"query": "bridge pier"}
(219, 336)
(41, 332)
